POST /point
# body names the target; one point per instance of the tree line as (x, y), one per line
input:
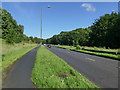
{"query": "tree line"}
(12, 32)
(105, 32)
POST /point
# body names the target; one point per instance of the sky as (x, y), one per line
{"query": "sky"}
(62, 16)
(60, 0)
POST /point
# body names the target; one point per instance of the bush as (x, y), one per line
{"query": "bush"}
(95, 48)
(118, 51)
(78, 47)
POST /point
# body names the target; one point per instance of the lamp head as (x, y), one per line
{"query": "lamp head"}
(113, 11)
(49, 6)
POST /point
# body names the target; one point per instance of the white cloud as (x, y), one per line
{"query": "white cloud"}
(88, 7)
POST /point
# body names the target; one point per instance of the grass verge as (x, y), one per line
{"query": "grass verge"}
(50, 71)
(92, 48)
(90, 52)
(8, 58)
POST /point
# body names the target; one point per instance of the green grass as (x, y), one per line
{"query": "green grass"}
(8, 48)
(10, 53)
(11, 57)
(89, 52)
(49, 70)
(90, 48)
(99, 48)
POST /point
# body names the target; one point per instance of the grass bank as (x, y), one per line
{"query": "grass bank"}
(10, 53)
(99, 48)
(90, 52)
(50, 71)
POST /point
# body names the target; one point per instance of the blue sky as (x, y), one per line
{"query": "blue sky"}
(62, 16)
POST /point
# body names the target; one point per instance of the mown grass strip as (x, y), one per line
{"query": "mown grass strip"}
(50, 71)
(90, 52)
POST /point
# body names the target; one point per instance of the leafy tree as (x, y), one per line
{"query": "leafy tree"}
(105, 32)
(12, 32)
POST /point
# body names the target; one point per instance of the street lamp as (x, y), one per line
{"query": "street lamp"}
(113, 11)
(41, 26)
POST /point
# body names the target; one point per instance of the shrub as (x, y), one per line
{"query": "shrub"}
(118, 51)
(78, 47)
(95, 48)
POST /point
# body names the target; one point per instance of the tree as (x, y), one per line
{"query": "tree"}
(105, 32)
(12, 32)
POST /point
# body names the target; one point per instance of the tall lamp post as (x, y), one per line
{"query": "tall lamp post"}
(41, 27)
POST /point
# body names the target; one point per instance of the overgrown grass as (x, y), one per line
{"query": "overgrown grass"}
(10, 53)
(100, 48)
(8, 48)
(50, 71)
(91, 48)
(90, 52)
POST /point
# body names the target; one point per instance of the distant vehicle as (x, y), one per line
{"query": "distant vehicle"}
(49, 45)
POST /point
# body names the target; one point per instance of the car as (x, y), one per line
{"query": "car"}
(49, 45)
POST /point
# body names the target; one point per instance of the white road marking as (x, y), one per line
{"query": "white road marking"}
(90, 59)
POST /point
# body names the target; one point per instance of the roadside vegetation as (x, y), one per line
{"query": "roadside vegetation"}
(80, 49)
(50, 71)
(14, 42)
(13, 32)
(104, 33)
(12, 52)
(99, 48)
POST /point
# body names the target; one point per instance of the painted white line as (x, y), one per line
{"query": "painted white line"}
(90, 59)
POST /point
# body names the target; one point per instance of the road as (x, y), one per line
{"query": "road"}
(101, 71)
(20, 74)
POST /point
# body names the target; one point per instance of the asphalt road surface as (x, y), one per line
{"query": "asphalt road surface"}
(101, 71)
(20, 74)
